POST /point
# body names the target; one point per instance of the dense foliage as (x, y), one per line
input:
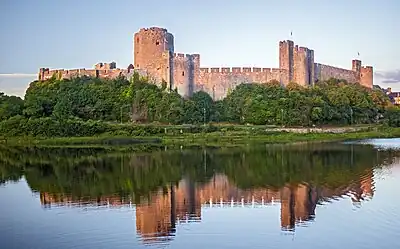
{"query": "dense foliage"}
(87, 106)
(10, 106)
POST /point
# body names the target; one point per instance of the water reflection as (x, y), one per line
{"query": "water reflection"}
(167, 189)
(157, 217)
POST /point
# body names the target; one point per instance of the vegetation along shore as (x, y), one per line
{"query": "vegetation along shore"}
(92, 111)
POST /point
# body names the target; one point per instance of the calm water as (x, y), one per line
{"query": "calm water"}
(303, 196)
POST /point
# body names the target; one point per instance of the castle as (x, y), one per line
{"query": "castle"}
(155, 57)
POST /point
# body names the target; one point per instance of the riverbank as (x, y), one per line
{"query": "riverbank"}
(215, 138)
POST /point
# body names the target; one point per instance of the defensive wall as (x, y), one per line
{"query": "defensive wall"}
(219, 81)
(46, 73)
(154, 56)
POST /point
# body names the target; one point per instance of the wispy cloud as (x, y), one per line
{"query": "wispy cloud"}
(15, 83)
(17, 75)
(392, 76)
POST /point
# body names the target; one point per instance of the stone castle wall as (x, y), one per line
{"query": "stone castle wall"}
(325, 72)
(154, 56)
(185, 67)
(46, 73)
(219, 81)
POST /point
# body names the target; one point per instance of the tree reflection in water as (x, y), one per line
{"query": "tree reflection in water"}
(172, 187)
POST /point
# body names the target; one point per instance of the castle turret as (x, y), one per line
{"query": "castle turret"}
(298, 62)
(367, 76)
(186, 72)
(286, 57)
(356, 66)
(153, 52)
(303, 66)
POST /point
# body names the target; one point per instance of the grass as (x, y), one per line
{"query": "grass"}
(220, 138)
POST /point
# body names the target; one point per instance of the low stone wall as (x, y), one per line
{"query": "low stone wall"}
(318, 130)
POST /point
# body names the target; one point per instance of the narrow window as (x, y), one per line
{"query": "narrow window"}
(157, 43)
(183, 73)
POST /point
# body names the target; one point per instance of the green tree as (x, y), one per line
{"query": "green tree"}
(10, 106)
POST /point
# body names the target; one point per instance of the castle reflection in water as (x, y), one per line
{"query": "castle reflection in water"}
(158, 215)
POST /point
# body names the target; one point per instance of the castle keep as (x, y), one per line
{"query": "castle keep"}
(154, 56)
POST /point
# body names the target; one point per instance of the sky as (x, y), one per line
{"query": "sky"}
(227, 33)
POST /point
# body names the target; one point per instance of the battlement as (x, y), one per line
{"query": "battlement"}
(102, 65)
(195, 56)
(367, 68)
(179, 55)
(186, 56)
(303, 49)
(240, 70)
(225, 70)
(46, 73)
(153, 29)
(286, 42)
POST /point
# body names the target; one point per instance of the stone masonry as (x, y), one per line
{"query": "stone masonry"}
(154, 56)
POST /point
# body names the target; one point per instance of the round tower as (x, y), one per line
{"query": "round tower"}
(149, 46)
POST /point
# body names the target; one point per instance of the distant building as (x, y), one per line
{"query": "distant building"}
(393, 96)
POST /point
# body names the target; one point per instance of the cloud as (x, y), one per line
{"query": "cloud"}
(15, 83)
(390, 81)
(392, 76)
(17, 75)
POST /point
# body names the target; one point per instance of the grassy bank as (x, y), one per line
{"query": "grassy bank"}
(216, 138)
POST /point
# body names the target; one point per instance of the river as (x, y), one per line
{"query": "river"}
(330, 195)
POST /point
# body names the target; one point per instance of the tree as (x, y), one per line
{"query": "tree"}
(10, 106)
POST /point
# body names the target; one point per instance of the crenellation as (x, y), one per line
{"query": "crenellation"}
(215, 70)
(266, 69)
(302, 49)
(226, 70)
(196, 56)
(246, 70)
(236, 69)
(154, 56)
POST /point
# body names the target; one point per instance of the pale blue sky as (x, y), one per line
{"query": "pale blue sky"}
(78, 34)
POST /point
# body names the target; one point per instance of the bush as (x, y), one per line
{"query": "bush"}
(393, 116)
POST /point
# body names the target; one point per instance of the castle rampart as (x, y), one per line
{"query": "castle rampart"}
(154, 56)
(218, 81)
(184, 73)
(46, 73)
(325, 72)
